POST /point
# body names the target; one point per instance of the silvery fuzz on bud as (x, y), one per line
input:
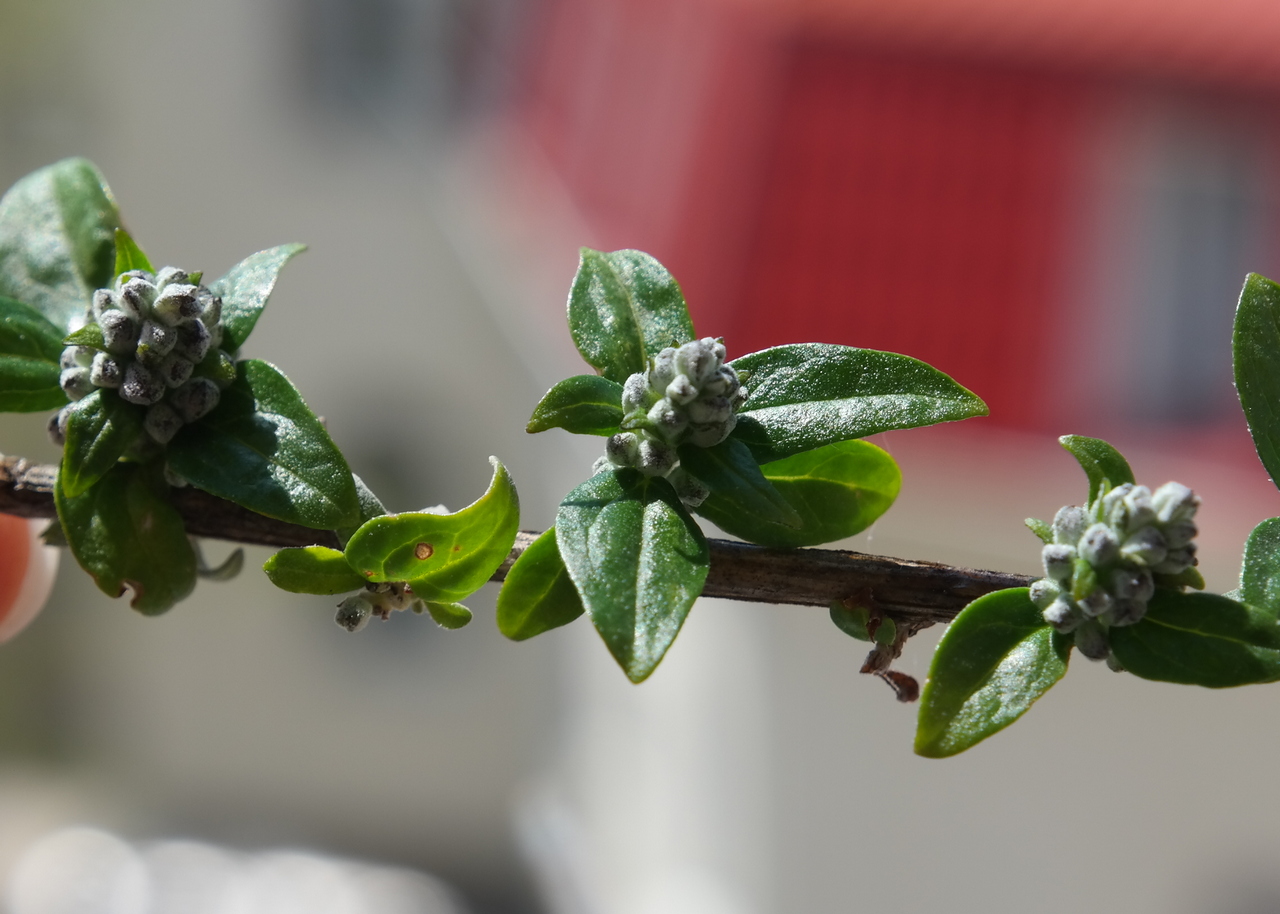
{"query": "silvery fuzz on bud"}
(354, 612)
(688, 395)
(1107, 559)
(156, 328)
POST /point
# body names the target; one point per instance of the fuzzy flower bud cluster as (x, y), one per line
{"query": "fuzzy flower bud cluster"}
(378, 600)
(1106, 559)
(156, 328)
(688, 394)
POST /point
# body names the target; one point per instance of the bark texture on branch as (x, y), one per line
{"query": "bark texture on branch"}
(918, 593)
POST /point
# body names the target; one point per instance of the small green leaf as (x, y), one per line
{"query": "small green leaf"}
(100, 429)
(370, 507)
(836, 491)
(855, 622)
(737, 484)
(57, 239)
(125, 533)
(245, 290)
(129, 256)
(444, 557)
(624, 308)
(538, 594)
(1040, 529)
(30, 347)
(994, 661)
(585, 405)
(230, 568)
(263, 449)
(89, 335)
(1255, 346)
(313, 569)
(1099, 460)
(1200, 639)
(449, 615)
(1260, 570)
(638, 561)
(806, 395)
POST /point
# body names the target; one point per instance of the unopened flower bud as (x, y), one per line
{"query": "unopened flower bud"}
(1096, 603)
(711, 434)
(712, 409)
(667, 420)
(1174, 502)
(162, 423)
(1138, 509)
(1099, 545)
(1132, 584)
(193, 341)
(103, 301)
(141, 386)
(155, 342)
(1044, 592)
(176, 304)
(171, 275)
(1059, 560)
(697, 359)
(77, 357)
(1179, 533)
(1069, 525)
(663, 371)
(174, 370)
(681, 390)
(210, 310)
(634, 392)
(1062, 615)
(655, 458)
(354, 611)
(692, 491)
(1146, 546)
(195, 399)
(76, 383)
(1127, 612)
(1091, 640)
(119, 332)
(1177, 560)
(623, 449)
(135, 298)
(57, 426)
(106, 371)
(223, 373)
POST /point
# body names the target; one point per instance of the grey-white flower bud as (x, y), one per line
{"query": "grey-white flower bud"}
(1126, 612)
(195, 399)
(623, 449)
(76, 383)
(57, 426)
(1145, 545)
(655, 458)
(1179, 533)
(141, 386)
(692, 491)
(1096, 603)
(135, 298)
(162, 422)
(1044, 592)
(663, 371)
(103, 301)
(697, 359)
(710, 409)
(193, 341)
(711, 434)
(155, 342)
(1177, 560)
(681, 390)
(1138, 510)
(77, 357)
(1069, 525)
(1132, 584)
(1059, 561)
(174, 370)
(171, 275)
(1099, 545)
(668, 421)
(106, 371)
(1091, 640)
(635, 392)
(1063, 615)
(1174, 502)
(119, 332)
(354, 612)
(210, 310)
(176, 304)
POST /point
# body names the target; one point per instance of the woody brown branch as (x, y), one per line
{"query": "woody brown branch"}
(919, 593)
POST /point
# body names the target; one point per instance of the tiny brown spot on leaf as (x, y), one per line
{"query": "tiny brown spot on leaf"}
(424, 550)
(457, 547)
(368, 574)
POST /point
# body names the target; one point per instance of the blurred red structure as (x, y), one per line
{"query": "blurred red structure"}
(901, 176)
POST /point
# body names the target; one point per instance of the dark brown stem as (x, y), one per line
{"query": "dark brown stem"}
(919, 593)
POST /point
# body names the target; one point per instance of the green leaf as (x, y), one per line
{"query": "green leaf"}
(994, 661)
(855, 621)
(57, 239)
(1260, 570)
(100, 429)
(129, 256)
(1099, 461)
(245, 290)
(807, 395)
(624, 308)
(30, 348)
(737, 484)
(88, 335)
(1255, 346)
(126, 533)
(836, 491)
(444, 557)
(1041, 529)
(1200, 639)
(313, 569)
(638, 561)
(263, 449)
(585, 405)
(370, 507)
(538, 594)
(449, 615)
